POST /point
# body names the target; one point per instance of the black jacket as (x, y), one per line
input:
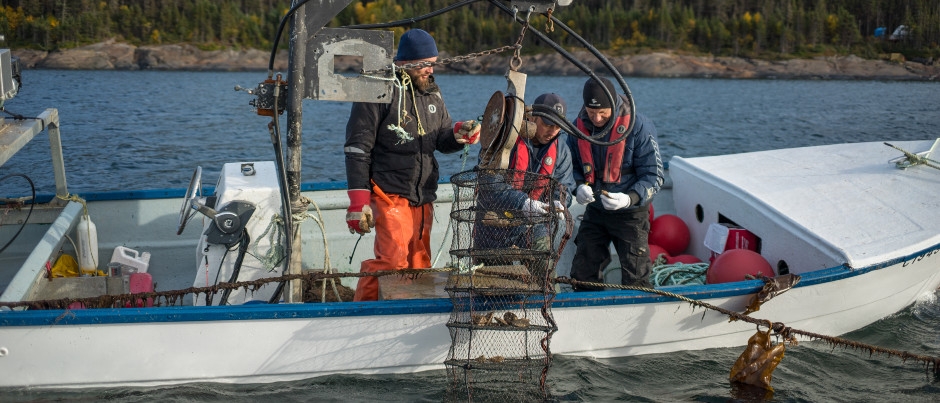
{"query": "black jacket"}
(397, 164)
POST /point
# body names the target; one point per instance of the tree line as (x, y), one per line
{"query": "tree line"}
(765, 29)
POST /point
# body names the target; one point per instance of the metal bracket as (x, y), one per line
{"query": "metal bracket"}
(539, 6)
(375, 49)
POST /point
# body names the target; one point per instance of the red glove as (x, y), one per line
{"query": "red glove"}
(467, 132)
(359, 216)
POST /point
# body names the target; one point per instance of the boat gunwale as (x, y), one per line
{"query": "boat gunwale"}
(177, 314)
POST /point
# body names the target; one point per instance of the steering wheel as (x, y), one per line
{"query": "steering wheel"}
(193, 191)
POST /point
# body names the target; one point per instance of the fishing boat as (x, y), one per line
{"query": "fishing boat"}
(848, 234)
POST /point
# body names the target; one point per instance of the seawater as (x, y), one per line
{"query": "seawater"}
(134, 130)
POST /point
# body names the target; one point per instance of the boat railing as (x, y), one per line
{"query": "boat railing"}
(61, 213)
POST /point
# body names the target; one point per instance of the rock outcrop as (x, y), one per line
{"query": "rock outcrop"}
(122, 56)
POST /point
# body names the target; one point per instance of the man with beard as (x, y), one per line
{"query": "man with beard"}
(391, 169)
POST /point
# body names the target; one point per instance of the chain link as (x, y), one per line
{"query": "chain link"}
(446, 61)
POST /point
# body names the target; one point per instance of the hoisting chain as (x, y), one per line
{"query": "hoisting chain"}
(516, 62)
(549, 24)
(442, 62)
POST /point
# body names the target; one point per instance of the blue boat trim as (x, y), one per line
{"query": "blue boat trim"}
(391, 307)
(405, 307)
(174, 193)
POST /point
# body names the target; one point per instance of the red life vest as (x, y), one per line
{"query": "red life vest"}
(520, 163)
(614, 152)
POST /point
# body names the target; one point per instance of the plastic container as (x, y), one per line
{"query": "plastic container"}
(132, 258)
(141, 282)
(87, 246)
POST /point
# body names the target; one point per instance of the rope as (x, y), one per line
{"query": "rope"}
(679, 274)
(440, 250)
(174, 297)
(779, 328)
(275, 253)
(327, 268)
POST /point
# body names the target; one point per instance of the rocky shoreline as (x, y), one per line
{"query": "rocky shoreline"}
(112, 55)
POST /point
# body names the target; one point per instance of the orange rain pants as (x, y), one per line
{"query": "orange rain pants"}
(402, 241)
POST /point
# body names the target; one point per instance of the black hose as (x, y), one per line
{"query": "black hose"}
(413, 20)
(603, 59)
(285, 192)
(242, 251)
(32, 204)
(277, 36)
(567, 126)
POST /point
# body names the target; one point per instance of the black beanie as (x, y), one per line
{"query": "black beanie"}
(594, 96)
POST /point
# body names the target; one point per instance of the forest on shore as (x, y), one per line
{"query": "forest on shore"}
(760, 29)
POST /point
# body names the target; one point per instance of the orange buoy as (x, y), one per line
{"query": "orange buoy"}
(656, 250)
(732, 265)
(670, 232)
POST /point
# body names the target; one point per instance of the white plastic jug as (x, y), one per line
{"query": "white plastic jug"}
(87, 246)
(132, 258)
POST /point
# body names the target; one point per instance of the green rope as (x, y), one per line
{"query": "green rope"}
(678, 274)
(275, 253)
(463, 165)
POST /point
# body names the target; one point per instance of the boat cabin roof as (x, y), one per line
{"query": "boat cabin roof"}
(850, 200)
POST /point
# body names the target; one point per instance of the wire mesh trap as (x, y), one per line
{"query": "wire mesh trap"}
(508, 234)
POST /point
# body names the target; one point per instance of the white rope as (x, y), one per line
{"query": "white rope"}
(327, 268)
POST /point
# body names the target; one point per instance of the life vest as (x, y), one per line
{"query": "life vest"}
(614, 153)
(520, 163)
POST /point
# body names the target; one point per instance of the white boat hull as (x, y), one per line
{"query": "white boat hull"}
(863, 283)
(263, 343)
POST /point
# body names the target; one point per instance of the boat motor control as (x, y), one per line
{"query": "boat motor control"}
(245, 213)
(229, 222)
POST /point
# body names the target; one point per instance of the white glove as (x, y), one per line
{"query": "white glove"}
(615, 201)
(534, 207)
(559, 210)
(584, 194)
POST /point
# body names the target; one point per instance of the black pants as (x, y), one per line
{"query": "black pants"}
(629, 232)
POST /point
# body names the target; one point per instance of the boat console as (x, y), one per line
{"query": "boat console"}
(242, 232)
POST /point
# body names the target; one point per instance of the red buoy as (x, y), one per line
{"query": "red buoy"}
(686, 259)
(655, 251)
(732, 265)
(670, 232)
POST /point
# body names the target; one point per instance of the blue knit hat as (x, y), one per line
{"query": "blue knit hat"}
(416, 44)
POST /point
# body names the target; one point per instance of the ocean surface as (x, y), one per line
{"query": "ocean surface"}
(146, 129)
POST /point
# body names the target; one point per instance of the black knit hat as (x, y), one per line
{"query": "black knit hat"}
(552, 100)
(594, 96)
